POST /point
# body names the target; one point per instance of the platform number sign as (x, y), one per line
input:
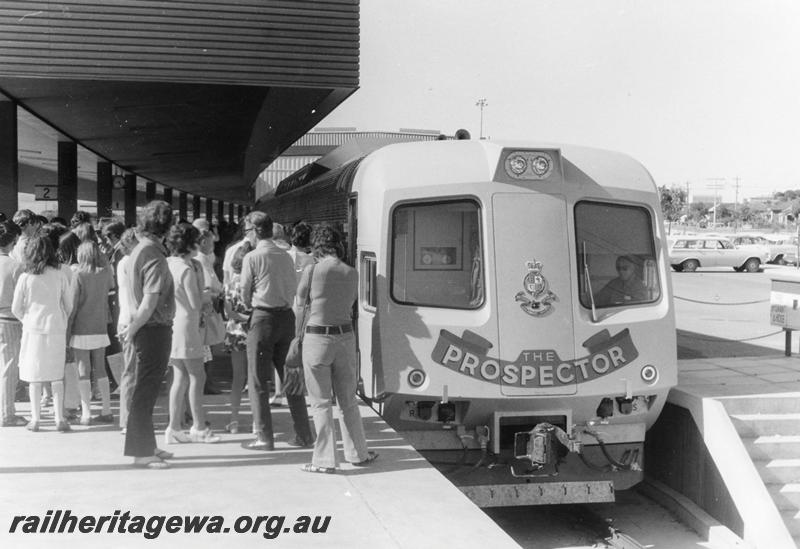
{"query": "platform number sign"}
(46, 192)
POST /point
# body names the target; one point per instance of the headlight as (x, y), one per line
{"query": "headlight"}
(517, 164)
(416, 378)
(649, 374)
(540, 165)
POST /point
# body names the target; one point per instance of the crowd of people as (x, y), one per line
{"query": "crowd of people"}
(150, 299)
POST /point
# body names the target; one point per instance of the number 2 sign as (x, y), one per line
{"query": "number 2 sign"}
(46, 192)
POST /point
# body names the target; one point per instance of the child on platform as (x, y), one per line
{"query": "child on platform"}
(93, 280)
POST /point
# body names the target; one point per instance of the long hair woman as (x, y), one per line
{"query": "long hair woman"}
(186, 355)
(43, 302)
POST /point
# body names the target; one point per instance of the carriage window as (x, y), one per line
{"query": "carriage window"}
(437, 255)
(616, 255)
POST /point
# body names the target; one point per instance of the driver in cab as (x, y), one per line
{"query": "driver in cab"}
(626, 288)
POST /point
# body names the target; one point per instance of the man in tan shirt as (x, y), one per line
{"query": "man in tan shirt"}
(268, 285)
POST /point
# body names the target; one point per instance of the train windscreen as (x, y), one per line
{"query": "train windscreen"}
(616, 255)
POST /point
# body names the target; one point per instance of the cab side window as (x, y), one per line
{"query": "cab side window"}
(438, 255)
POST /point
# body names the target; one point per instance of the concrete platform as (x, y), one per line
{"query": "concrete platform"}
(712, 390)
(739, 376)
(399, 501)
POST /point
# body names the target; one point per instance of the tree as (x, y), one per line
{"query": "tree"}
(724, 213)
(673, 203)
(745, 214)
(697, 211)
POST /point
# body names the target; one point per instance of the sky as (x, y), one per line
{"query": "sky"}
(704, 93)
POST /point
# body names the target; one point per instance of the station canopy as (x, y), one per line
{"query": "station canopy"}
(197, 96)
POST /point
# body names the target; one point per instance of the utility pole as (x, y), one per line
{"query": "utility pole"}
(717, 183)
(736, 205)
(688, 208)
(481, 103)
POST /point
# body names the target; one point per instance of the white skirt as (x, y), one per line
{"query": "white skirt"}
(89, 342)
(42, 357)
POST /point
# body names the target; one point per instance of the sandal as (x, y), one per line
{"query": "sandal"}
(152, 462)
(15, 421)
(371, 456)
(261, 442)
(311, 468)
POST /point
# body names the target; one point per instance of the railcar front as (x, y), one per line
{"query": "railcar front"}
(515, 320)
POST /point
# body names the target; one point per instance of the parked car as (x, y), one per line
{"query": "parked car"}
(782, 248)
(751, 241)
(688, 253)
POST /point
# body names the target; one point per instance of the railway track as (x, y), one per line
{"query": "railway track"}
(632, 522)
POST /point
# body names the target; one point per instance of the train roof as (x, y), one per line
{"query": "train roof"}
(459, 161)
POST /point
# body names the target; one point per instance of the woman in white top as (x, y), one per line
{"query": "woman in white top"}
(43, 302)
(212, 287)
(205, 255)
(301, 244)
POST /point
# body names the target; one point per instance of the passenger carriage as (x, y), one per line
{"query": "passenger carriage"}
(485, 335)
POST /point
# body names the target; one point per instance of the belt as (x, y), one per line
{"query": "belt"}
(272, 309)
(330, 330)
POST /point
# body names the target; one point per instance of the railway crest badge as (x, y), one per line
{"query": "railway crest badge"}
(537, 298)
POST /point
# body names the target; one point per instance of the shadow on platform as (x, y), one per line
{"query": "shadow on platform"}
(694, 345)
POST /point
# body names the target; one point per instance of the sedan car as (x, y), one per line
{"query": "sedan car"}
(783, 248)
(692, 252)
(756, 243)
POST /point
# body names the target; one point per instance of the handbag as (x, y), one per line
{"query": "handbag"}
(212, 326)
(294, 382)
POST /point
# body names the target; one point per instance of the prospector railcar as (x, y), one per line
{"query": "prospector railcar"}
(496, 330)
